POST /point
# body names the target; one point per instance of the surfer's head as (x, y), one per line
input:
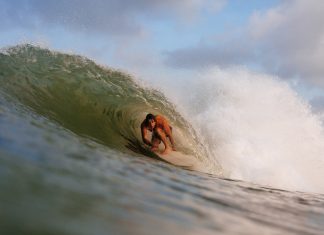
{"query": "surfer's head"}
(150, 120)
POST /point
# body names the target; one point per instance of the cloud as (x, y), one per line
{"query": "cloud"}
(317, 104)
(294, 41)
(207, 56)
(112, 17)
(287, 40)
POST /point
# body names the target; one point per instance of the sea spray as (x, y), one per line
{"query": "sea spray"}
(257, 127)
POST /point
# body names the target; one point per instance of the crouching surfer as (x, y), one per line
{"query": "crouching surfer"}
(161, 130)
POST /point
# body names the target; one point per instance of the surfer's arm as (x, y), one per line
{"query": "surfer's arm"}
(144, 136)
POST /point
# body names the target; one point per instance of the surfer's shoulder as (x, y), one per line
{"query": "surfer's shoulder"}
(159, 118)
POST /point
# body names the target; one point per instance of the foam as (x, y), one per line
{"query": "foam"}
(257, 127)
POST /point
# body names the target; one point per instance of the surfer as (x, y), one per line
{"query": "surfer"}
(160, 129)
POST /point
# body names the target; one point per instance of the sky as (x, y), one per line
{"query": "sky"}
(166, 39)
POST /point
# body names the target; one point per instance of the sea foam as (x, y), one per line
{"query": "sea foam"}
(257, 127)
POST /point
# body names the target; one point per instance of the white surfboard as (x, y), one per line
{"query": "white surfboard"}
(182, 160)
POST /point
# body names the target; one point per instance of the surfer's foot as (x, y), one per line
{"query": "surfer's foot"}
(154, 149)
(166, 151)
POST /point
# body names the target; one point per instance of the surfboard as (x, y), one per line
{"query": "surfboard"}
(182, 160)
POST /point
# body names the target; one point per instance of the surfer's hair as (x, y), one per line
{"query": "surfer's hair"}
(149, 117)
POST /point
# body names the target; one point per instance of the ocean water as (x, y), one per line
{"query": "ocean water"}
(72, 160)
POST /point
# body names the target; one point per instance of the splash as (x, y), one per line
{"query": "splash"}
(258, 128)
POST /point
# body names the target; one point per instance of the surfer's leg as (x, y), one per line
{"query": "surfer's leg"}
(155, 141)
(162, 137)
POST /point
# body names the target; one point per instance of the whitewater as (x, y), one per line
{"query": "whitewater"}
(256, 127)
(72, 160)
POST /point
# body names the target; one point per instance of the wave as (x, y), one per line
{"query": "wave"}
(92, 101)
(240, 124)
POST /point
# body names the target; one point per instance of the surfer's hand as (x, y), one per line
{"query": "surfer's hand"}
(173, 148)
(154, 149)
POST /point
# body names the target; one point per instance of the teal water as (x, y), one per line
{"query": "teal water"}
(72, 162)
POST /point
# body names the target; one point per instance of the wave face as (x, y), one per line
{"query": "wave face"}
(104, 105)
